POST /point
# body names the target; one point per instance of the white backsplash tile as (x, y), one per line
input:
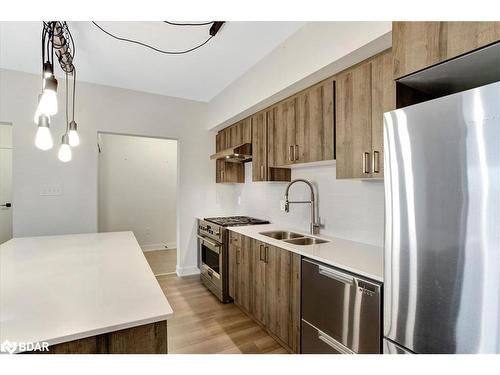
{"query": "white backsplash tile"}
(350, 209)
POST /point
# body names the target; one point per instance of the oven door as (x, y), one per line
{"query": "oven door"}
(211, 260)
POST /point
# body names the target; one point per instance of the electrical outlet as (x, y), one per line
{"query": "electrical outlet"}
(282, 205)
(239, 201)
(51, 190)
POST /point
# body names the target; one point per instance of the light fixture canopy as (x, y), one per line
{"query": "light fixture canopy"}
(43, 139)
(64, 153)
(74, 138)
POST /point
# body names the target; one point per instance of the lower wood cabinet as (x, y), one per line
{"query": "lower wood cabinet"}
(264, 281)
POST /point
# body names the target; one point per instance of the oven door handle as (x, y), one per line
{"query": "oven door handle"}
(213, 244)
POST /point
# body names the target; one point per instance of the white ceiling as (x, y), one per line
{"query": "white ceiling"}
(199, 75)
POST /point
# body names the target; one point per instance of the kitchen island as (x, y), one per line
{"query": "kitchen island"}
(84, 293)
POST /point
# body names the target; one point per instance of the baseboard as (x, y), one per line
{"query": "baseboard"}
(186, 271)
(158, 246)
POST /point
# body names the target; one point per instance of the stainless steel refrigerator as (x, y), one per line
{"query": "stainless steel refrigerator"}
(442, 225)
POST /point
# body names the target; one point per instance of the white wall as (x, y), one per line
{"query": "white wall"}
(106, 109)
(316, 51)
(138, 188)
(350, 209)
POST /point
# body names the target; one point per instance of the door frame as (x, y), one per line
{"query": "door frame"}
(8, 123)
(177, 190)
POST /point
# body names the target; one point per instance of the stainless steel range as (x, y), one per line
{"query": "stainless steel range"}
(213, 244)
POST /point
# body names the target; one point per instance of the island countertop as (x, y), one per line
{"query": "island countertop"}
(63, 288)
(359, 258)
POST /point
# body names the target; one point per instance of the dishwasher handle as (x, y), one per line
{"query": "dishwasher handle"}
(331, 342)
(338, 276)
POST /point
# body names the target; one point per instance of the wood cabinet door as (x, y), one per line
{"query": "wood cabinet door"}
(383, 100)
(234, 254)
(314, 126)
(353, 122)
(259, 147)
(244, 275)
(259, 303)
(240, 133)
(281, 132)
(418, 45)
(283, 295)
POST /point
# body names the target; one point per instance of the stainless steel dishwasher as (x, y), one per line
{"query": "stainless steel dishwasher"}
(341, 312)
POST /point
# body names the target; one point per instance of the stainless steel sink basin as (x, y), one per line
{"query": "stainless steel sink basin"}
(281, 234)
(304, 241)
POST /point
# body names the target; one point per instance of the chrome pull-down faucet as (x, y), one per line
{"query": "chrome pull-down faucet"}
(314, 226)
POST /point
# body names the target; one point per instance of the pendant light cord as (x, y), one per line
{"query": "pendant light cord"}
(74, 93)
(151, 47)
(67, 117)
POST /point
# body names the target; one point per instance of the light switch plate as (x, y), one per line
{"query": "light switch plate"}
(51, 190)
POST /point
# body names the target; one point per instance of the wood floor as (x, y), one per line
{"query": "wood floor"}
(203, 325)
(162, 261)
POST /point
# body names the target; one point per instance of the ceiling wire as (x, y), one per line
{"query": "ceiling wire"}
(188, 24)
(151, 47)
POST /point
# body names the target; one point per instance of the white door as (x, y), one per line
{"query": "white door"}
(5, 182)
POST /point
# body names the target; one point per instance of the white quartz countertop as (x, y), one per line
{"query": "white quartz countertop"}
(63, 288)
(362, 259)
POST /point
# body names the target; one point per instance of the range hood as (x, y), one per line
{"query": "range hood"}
(238, 154)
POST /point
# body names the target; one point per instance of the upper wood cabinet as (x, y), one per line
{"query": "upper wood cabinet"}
(229, 137)
(259, 147)
(418, 45)
(363, 94)
(383, 99)
(314, 134)
(302, 130)
(282, 133)
(261, 171)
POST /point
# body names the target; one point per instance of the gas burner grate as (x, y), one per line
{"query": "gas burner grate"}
(230, 221)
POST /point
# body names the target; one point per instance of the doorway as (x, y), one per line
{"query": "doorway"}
(5, 181)
(137, 191)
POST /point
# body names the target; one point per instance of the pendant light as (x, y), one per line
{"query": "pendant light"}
(56, 40)
(64, 153)
(43, 138)
(48, 101)
(74, 138)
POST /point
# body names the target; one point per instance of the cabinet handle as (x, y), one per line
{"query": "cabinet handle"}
(238, 257)
(366, 163)
(261, 172)
(376, 162)
(222, 175)
(296, 153)
(261, 247)
(266, 254)
(291, 155)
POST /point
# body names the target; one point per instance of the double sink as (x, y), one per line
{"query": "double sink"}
(293, 238)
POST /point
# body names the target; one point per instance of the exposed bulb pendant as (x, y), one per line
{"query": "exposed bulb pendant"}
(74, 138)
(64, 153)
(48, 101)
(43, 139)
